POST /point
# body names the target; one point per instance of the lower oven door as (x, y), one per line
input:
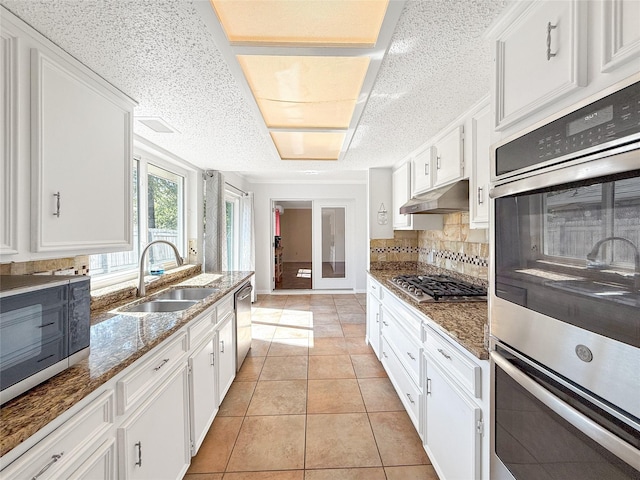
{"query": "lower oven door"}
(544, 428)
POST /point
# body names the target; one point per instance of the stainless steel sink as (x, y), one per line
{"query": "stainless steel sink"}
(190, 293)
(161, 306)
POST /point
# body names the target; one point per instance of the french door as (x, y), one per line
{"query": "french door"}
(333, 235)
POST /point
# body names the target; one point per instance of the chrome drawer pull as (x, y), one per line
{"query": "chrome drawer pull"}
(57, 212)
(445, 355)
(139, 447)
(222, 346)
(162, 364)
(410, 399)
(411, 356)
(213, 358)
(384, 354)
(480, 196)
(54, 459)
(385, 323)
(549, 28)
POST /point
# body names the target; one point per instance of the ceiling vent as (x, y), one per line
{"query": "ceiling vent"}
(156, 124)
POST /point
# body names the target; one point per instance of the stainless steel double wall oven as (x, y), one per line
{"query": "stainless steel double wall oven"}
(565, 294)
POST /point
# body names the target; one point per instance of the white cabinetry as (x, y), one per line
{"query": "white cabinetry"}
(401, 190)
(621, 35)
(226, 354)
(449, 159)
(454, 436)
(540, 58)
(374, 313)
(153, 442)
(479, 177)
(421, 171)
(67, 138)
(80, 444)
(203, 380)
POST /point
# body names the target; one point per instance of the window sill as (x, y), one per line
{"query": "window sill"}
(110, 297)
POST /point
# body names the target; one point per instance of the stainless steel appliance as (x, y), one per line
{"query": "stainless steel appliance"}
(44, 328)
(243, 323)
(438, 288)
(564, 303)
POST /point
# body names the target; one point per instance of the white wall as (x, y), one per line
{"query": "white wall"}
(264, 193)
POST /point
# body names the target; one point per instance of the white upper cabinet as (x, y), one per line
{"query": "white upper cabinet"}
(479, 177)
(621, 34)
(81, 157)
(541, 56)
(449, 158)
(401, 180)
(421, 168)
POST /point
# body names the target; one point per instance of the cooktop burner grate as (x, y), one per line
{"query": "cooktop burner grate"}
(438, 288)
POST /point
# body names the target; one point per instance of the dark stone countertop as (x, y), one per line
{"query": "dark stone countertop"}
(117, 340)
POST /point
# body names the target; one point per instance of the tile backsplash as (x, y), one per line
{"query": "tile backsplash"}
(78, 265)
(456, 248)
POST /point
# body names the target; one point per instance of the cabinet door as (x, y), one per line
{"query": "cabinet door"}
(540, 58)
(154, 442)
(421, 171)
(479, 178)
(621, 42)
(401, 195)
(81, 159)
(373, 322)
(100, 465)
(226, 356)
(202, 387)
(453, 430)
(449, 161)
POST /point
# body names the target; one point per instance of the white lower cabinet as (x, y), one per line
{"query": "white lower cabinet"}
(203, 398)
(226, 356)
(100, 465)
(153, 442)
(453, 427)
(406, 389)
(374, 314)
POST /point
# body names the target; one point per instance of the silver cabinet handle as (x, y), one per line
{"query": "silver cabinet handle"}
(384, 354)
(54, 459)
(411, 356)
(549, 28)
(57, 212)
(377, 318)
(164, 362)
(139, 447)
(480, 196)
(444, 354)
(428, 386)
(438, 162)
(221, 346)
(385, 323)
(213, 358)
(426, 169)
(410, 399)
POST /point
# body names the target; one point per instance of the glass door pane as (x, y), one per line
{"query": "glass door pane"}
(332, 245)
(333, 242)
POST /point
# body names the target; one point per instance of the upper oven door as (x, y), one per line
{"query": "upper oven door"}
(566, 271)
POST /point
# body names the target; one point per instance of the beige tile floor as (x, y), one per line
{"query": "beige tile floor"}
(311, 402)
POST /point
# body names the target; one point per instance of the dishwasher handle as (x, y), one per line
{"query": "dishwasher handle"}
(241, 295)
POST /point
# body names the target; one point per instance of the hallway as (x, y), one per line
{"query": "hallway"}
(311, 402)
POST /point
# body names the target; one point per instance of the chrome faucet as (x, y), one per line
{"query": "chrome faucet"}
(141, 287)
(591, 257)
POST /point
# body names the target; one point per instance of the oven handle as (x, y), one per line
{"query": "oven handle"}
(598, 434)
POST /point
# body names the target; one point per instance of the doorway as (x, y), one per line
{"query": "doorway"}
(293, 245)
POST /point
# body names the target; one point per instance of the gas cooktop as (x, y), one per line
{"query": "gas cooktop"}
(439, 288)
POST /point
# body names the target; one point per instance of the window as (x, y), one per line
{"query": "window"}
(160, 192)
(232, 203)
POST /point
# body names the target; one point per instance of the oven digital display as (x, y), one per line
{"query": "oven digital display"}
(591, 120)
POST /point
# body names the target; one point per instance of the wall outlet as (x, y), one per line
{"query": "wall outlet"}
(193, 246)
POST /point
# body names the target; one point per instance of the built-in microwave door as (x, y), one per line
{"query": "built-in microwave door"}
(570, 252)
(33, 332)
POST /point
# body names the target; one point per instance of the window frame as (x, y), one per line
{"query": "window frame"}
(231, 196)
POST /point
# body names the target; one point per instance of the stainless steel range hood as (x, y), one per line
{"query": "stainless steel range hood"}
(447, 199)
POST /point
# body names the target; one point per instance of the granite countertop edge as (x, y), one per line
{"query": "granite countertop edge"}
(464, 323)
(118, 339)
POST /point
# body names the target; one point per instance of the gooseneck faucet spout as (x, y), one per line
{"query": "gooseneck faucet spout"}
(591, 257)
(141, 286)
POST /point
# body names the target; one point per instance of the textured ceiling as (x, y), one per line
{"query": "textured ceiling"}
(160, 53)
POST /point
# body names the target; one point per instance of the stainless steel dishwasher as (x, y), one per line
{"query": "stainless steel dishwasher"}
(243, 323)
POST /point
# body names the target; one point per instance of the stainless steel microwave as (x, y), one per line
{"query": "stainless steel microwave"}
(44, 329)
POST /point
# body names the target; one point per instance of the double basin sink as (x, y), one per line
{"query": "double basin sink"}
(173, 301)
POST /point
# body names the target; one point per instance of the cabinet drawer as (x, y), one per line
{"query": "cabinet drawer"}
(136, 384)
(406, 388)
(56, 452)
(224, 307)
(465, 372)
(404, 346)
(201, 327)
(374, 288)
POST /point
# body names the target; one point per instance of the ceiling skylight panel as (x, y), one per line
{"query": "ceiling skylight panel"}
(305, 91)
(302, 22)
(308, 145)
